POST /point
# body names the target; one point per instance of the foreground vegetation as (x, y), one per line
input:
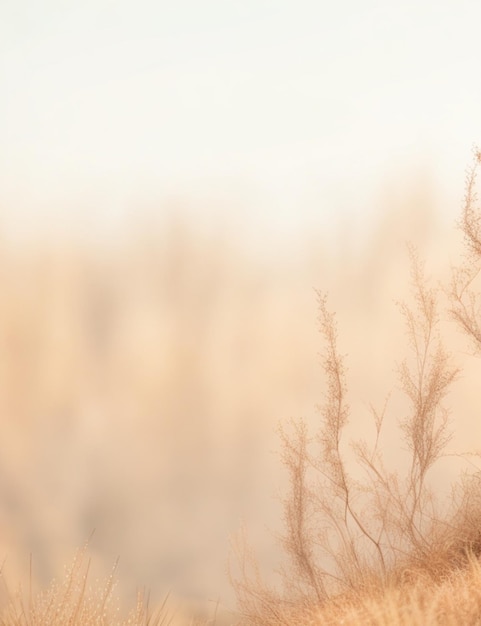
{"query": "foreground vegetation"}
(367, 538)
(423, 599)
(368, 542)
(76, 600)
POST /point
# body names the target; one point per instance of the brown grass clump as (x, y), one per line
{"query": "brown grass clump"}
(366, 543)
(73, 601)
(452, 600)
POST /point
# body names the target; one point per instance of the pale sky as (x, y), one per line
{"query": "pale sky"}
(291, 111)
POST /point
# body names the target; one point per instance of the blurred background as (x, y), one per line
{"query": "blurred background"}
(175, 181)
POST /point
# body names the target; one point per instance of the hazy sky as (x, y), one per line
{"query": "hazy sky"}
(293, 111)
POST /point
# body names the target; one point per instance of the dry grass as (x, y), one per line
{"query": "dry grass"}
(453, 600)
(75, 600)
(366, 543)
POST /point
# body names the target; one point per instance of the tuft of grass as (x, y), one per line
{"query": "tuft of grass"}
(366, 544)
(73, 601)
(452, 600)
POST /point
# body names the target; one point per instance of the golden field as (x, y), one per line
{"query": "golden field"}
(141, 388)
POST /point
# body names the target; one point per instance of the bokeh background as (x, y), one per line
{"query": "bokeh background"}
(175, 181)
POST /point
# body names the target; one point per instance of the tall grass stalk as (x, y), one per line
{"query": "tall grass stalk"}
(355, 528)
